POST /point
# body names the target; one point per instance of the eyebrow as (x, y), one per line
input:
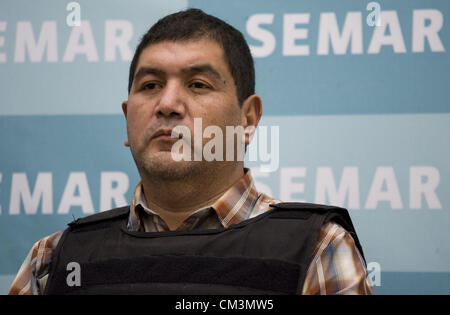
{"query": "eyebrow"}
(143, 71)
(204, 68)
(196, 69)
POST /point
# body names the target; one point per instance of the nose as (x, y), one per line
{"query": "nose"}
(171, 104)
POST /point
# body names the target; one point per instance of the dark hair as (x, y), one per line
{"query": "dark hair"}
(195, 24)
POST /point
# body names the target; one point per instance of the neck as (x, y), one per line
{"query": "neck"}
(175, 200)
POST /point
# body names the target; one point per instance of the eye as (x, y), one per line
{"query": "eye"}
(151, 86)
(199, 85)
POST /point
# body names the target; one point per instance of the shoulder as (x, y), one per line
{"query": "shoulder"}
(335, 241)
(42, 249)
(331, 234)
(34, 269)
(337, 225)
(41, 252)
(337, 265)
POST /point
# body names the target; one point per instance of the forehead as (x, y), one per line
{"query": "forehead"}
(172, 56)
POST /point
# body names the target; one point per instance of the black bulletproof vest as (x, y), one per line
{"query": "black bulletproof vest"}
(268, 254)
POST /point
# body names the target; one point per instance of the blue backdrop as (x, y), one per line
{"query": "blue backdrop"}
(362, 110)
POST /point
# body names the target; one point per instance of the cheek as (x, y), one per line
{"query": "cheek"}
(221, 111)
(230, 115)
(137, 119)
(139, 107)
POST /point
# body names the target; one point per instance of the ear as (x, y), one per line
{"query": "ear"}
(251, 114)
(124, 109)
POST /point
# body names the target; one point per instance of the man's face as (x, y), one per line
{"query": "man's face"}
(174, 83)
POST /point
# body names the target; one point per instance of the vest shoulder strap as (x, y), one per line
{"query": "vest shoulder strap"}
(303, 210)
(102, 216)
(331, 213)
(304, 205)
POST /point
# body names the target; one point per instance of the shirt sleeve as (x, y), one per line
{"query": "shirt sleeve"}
(337, 266)
(32, 276)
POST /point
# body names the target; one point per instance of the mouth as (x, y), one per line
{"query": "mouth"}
(165, 134)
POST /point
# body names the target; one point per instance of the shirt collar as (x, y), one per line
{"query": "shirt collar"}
(234, 206)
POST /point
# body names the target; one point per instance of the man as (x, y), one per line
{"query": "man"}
(196, 226)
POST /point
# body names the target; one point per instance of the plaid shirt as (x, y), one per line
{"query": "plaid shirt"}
(336, 268)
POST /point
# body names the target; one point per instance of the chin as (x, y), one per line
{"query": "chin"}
(162, 166)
